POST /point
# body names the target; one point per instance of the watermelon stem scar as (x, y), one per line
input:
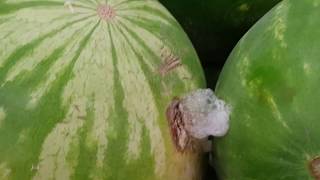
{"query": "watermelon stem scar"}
(315, 167)
(106, 12)
(197, 116)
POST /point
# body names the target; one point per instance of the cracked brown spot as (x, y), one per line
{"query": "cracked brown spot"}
(180, 137)
(314, 167)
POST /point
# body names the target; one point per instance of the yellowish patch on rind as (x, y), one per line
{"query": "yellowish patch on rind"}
(2, 115)
(4, 171)
(275, 109)
(279, 26)
(253, 85)
(188, 165)
(307, 68)
(244, 68)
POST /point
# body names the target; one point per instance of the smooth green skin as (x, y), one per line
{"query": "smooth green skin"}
(105, 93)
(215, 26)
(271, 80)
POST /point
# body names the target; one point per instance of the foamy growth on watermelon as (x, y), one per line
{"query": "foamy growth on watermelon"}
(204, 114)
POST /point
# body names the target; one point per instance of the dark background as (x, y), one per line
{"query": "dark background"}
(215, 27)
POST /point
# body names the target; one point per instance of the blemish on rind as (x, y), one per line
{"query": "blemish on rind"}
(171, 62)
(2, 115)
(4, 171)
(307, 68)
(279, 24)
(314, 167)
(195, 117)
(179, 135)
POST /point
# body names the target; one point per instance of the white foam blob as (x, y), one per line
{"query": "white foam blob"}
(204, 114)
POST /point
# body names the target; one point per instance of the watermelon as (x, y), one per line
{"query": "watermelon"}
(215, 26)
(271, 82)
(84, 90)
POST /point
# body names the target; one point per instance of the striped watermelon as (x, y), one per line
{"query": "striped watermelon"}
(84, 87)
(271, 80)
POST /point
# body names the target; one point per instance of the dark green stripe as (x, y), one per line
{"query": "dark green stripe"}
(87, 154)
(40, 121)
(154, 80)
(66, 76)
(178, 84)
(124, 2)
(180, 45)
(24, 50)
(157, 28)
(31, 80)
(117, 148)
(153, 11)
(152, 30)
(144, 166)
(6, 8)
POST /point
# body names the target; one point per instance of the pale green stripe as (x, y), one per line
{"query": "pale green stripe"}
(65, 76)
(179, 84)
(6, 8)
(20, 52)
(118, 120)
(42, 51)
(49, 112)
(138, 107)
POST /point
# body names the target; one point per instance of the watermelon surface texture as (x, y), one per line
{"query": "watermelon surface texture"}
(271, 80)
(84, 87)
(215, 26)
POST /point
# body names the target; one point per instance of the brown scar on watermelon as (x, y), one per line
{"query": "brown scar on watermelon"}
(171, 61)
(196, 117)
(314, 167)
(180, 137)
(182, 140)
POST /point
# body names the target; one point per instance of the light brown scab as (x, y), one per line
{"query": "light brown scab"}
(171, 61)
(314, 167)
